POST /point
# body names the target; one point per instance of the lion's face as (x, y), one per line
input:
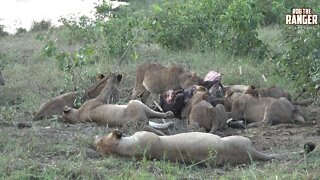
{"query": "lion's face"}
(201, 93)
(2, 82)
(96, 89)
(252, 91)
(107, 144)
(70, 115)
(188, 79)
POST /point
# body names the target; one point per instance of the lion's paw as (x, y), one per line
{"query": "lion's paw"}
(169, 114)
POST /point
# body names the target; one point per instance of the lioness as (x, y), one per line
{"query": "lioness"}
(54, 106)
(236, 88)
(96, 110)
(201, 113)
(2, 82)
(264, 110)
(155, 78)
(273, 92)
(198, 94)
(193, 147)
(229, 98)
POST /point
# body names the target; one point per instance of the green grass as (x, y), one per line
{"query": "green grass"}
(54, 150)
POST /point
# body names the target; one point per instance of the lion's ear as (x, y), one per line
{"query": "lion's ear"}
(66, 109)
(116, 133)
(119, 77)
(252, 86)
(229, 93)
(100, 76)
(206, 97)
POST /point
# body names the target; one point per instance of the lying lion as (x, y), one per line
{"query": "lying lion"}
(2, 82)
(229, 98)
(193, 147)
(264, 110)
(96, 110)
(155, 78)
(54, 106)
(202, 114)
(236, 88)
(273, 92)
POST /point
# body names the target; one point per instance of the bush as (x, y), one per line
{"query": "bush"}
(40, 26)
(302, 56)
(229, 25)
(241, 37)
(20, 31)
(2, 31)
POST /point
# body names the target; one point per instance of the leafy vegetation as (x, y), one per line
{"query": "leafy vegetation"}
(202, 35)
(230, 26)
(40, 25)
(2, 31)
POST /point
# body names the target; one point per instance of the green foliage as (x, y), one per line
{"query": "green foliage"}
(241, 22)
(20, 30)
(2, 31)
(119, 33)
(116, 31)
(174, 24)
(274, 11)
(221, 24)
(178, 25)
(230, 26)
(79, 29)
(41, 25)
(72, 65)
(302, 56)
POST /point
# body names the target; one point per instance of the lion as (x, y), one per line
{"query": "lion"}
(96, 110)
(202, 114)
(229, 98)
(236, 88)
(97, 88)
(155, 78)
(2, 81)
(199, 93)
(252, 90)
(189, 148)
(54, 106)
(264, 110)
(272, 92)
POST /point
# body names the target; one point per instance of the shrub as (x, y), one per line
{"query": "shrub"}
(2, 31)
(20, 31)
(241, 37)
(302, 56)
(229, 25)
(178, 25)
(40, 26)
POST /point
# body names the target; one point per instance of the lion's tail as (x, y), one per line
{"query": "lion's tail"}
(260, 156)
(307, 148)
